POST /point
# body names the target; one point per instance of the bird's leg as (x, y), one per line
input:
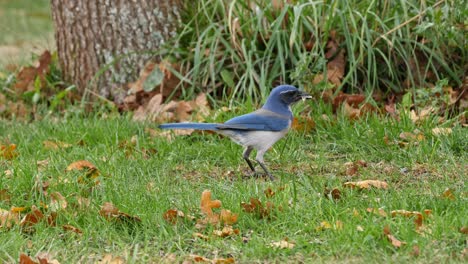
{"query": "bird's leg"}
(259, 159)
(246, 155)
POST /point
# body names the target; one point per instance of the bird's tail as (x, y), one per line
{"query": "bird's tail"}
(198, 126)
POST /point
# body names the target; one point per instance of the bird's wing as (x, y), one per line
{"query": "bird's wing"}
(259, 120)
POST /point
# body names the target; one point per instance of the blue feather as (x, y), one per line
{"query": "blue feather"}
(199, 126)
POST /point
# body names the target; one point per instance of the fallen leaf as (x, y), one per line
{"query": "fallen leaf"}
(255, 206)
(395, 242)
(416, 251)
(5, 196)
(334, 194)
(81, 165)
(57, 202)
(8, 152)
(207, 204)
(91, 172)
(172, 215)
(448, 194)
(72, 229)
(282, 244)
(379, 211)
(441, 131)
(25, 259)
(359, 228)
(198, 258)
(202, 236)
(110, 259)
(414, 136)
(303, 124)
(323, 225)
(111, 212)
(8, 218)
(464, 230)
(223, 261)
(367, 184)
(418, 220)
(32, 217)
(55, 145)
(227, 217)
(269, 193)
(226, 231)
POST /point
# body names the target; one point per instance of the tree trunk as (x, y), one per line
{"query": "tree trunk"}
(92, 34)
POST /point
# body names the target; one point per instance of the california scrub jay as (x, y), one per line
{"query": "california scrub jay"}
(257, 130)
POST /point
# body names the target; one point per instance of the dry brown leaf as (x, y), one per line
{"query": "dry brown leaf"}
(57, 202)
(282, 244)
(448, 194)
(414, 136)
(55, 145)
(223, 261)
(303, 124)
(91, 172)
(32, 217)
(418, 220)
(200, 235)
(110, 259)
(441, 131)
(323, 225)
(395, 242)
(207, 204)
(72, 229)
(255, 206)
(464, 230)
(416, 251)
(8, 152)
(335, 194)
(172, 215)
(226, 231)
(423, 114)
(81, 165)
(111, 212)
(168, 134)
(269, 193)
(5, 196)
(25, 259)
(379, 211)
(367, 184)
(227, 217)
(8, 218)
(198, 258)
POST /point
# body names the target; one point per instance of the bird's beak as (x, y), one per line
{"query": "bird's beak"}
(305, 96)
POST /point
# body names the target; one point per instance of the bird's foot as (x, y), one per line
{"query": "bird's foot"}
(257, 174)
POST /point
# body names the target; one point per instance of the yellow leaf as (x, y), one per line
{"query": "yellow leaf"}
(367, 184)
(448, 194)
(441, 131)
(282, 244)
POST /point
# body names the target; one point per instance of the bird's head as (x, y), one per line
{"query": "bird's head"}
(288, 94)
(281, 97)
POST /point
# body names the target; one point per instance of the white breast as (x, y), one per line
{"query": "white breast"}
(259, 140)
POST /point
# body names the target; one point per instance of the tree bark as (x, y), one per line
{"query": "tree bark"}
(92, 34)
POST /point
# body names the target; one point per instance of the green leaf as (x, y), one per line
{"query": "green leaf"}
(407, 100)
(227, 78)
(154, 79)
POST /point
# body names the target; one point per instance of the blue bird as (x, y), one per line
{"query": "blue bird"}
(258, 130)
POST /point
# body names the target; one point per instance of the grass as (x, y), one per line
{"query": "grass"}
(305, 163)
(237, 50)
(26, 27)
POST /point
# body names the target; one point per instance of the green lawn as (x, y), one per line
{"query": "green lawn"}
(151, 175)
